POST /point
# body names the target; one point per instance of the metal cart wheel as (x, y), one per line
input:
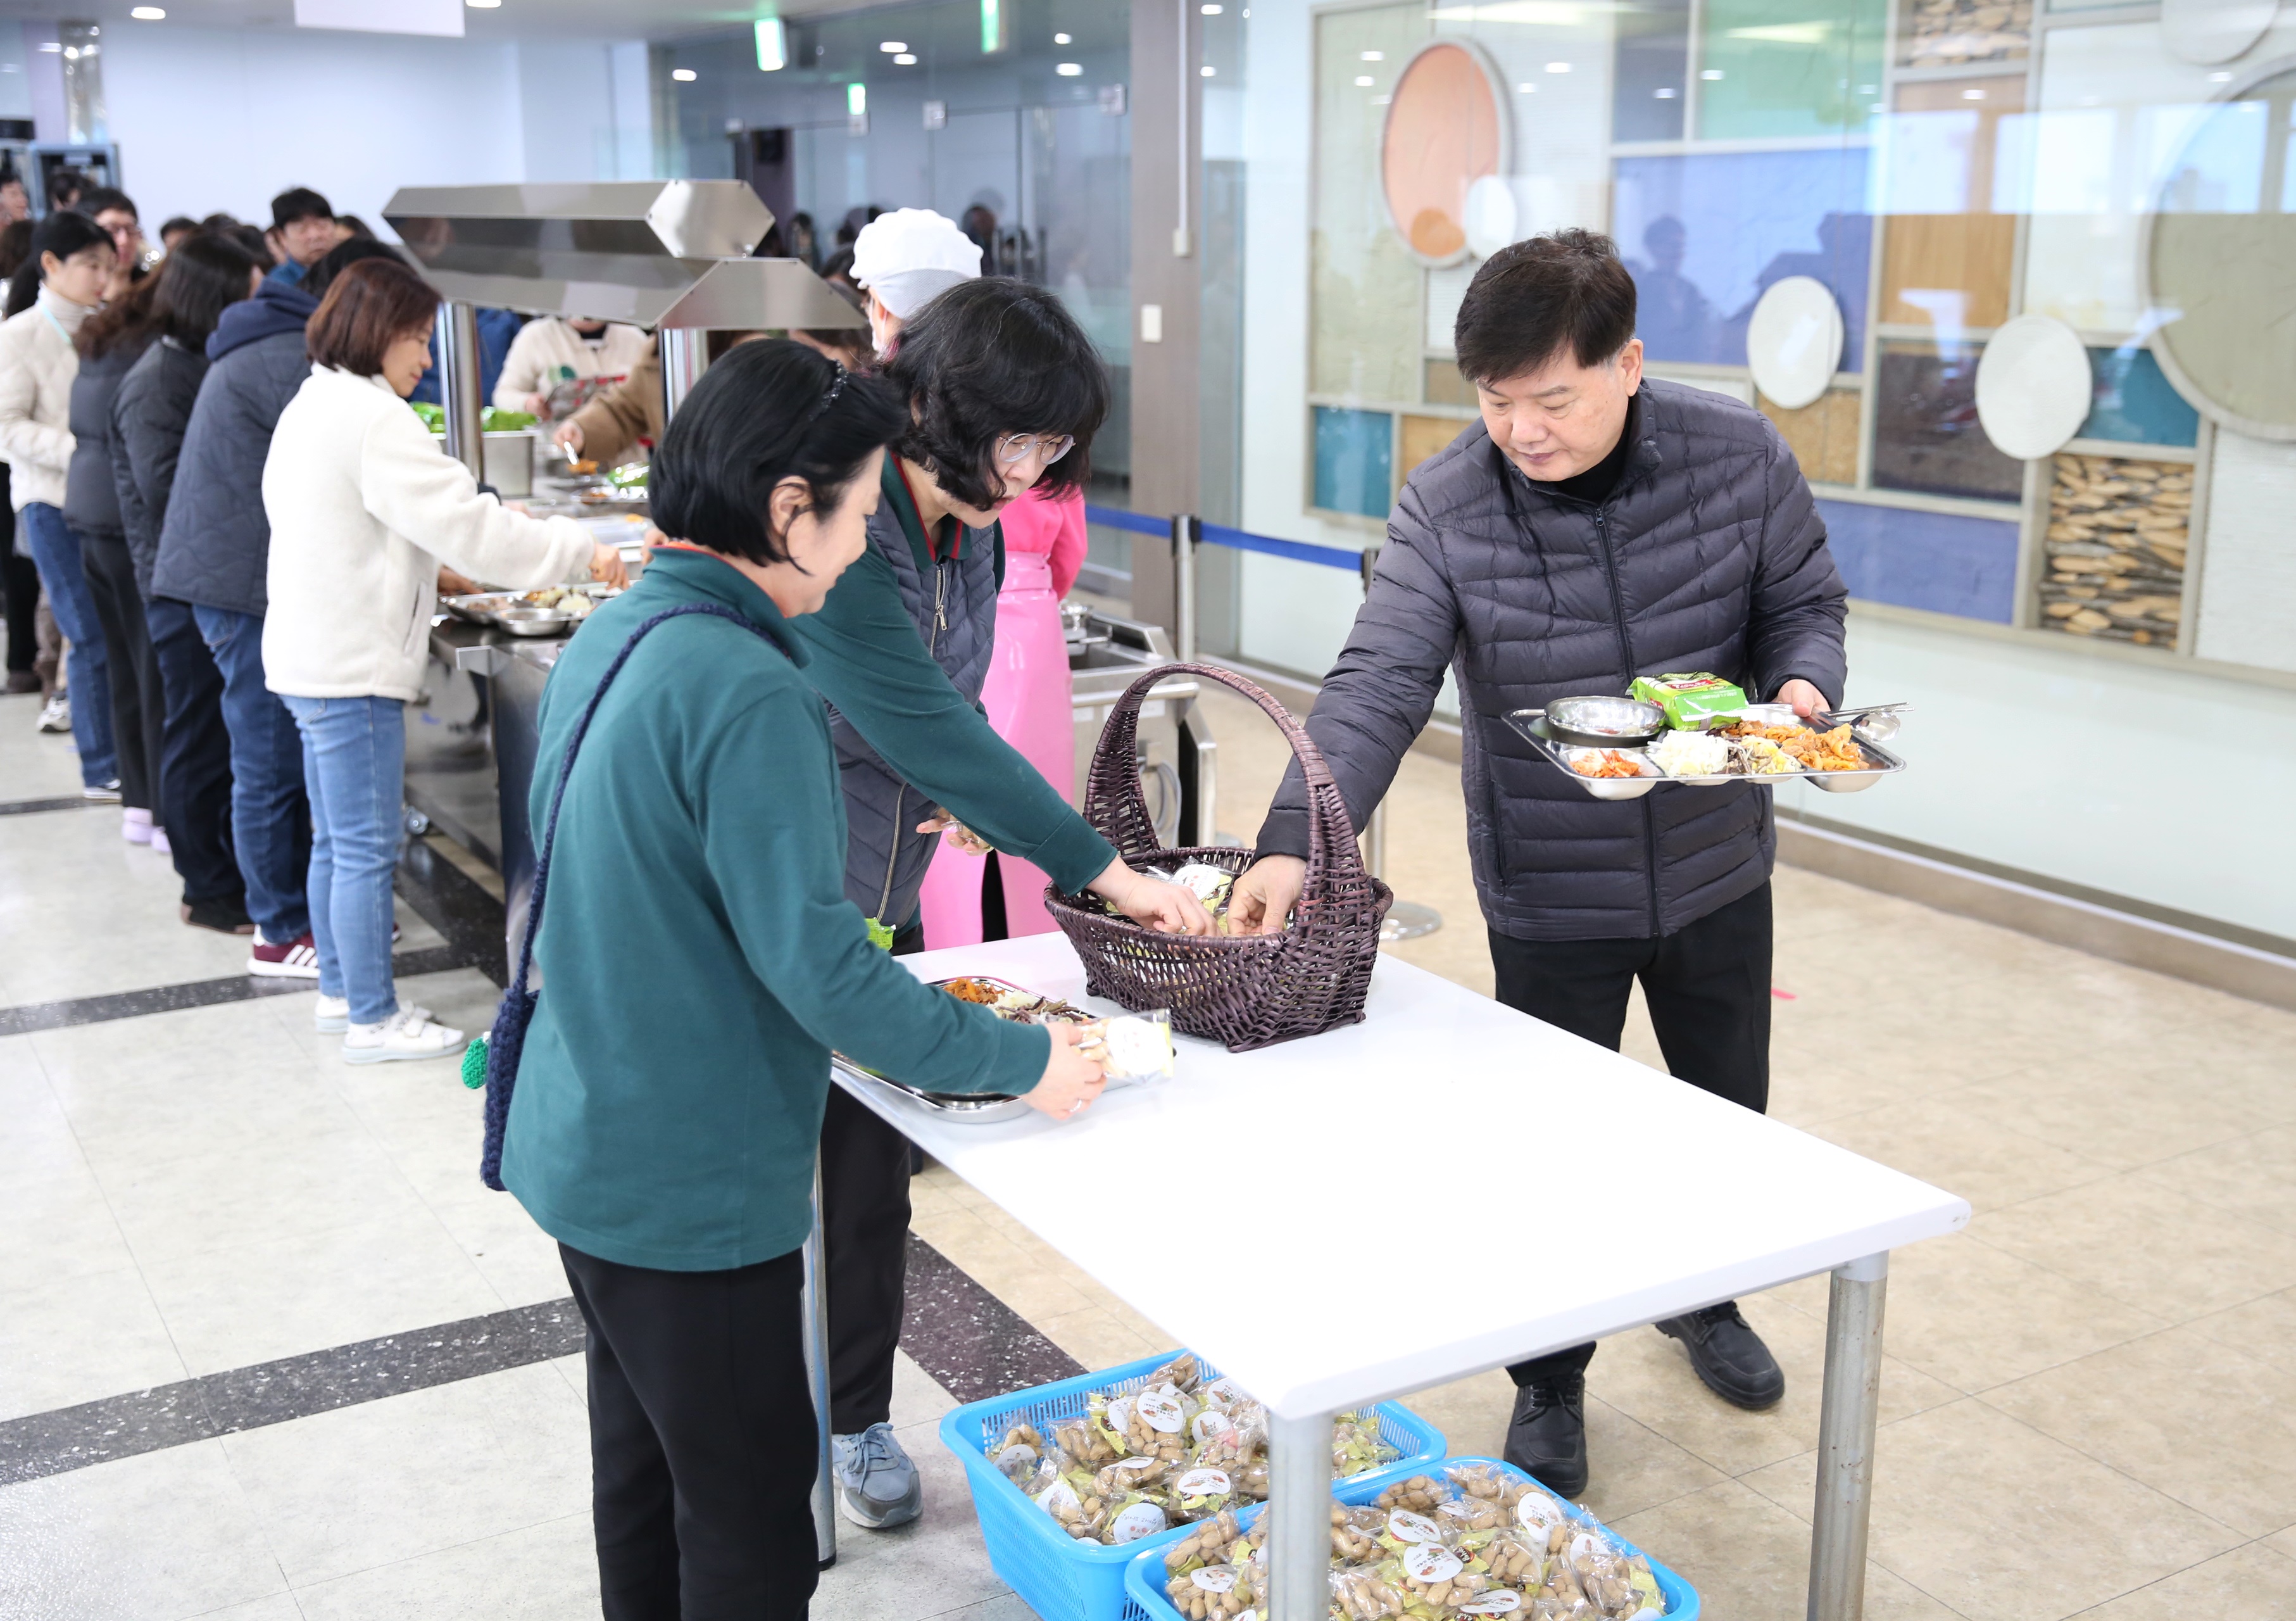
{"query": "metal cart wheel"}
(416, 823)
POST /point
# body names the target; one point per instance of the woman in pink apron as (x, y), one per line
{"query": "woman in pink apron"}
(1028, 699)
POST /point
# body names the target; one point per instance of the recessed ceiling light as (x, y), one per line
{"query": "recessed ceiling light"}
(893, 47)
(1526, 88)
(2219, 78)
(1712, 73)
(1063, 40)
(1363, 81)
(1558, 67)
(148, 13)
(1208, 71)
(482, 5)
(906, 60)
(1973, 96)
(1374, 56)
(1068, 69)
(684, 76)
(1211, 11)
(1664, 95)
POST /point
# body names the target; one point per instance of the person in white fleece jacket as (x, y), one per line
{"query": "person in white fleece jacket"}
(364, 509)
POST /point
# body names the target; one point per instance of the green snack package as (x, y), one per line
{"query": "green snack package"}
(1692, 702)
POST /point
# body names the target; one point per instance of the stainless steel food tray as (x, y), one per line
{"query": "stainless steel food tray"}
(1531, 724)
(959, 1108)
(487, 608)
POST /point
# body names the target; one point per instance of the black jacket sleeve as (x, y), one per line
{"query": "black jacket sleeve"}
(1378, 697)
(1799, 603)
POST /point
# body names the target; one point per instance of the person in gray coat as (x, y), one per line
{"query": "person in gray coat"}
(1593, 526)
(215, 546)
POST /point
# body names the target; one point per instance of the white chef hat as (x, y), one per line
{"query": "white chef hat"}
(912, 255)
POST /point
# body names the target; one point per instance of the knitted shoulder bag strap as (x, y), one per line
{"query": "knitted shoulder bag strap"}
(493, 1062)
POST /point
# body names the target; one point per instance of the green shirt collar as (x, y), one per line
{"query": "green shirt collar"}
(698, 577)
(897, 497)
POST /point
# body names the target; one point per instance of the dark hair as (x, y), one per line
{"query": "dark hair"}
(300, 202)
(991, 356)
(127, 321)
(180, 222)
(360, 229)
(15, 244)
(219, 221)
(252, 237)
(93, 202)
(370, 306)
(64, 187)
(341, 258)
(1534, 300)
(63, 233)
(770, 410)
(838, 264)
(206, 273)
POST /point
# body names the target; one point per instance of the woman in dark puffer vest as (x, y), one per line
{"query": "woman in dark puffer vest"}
(205, 275)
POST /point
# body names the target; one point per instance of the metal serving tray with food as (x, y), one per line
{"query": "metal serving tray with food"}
(547, 612)
(1621, 748)
(1135, 1048)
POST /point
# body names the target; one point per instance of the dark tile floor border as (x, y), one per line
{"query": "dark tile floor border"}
(972, 1343)
(33, 807)
(450, 900)
(30, 1016)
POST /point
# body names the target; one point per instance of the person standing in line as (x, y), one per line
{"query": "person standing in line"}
(1593, 526)
(110, 342)
(19, 577)
(203, 276)
(352, 478)
(53, 294)
(214, 552)
(550, 350)
(671, 1156)
(303, 232)
(115, 210)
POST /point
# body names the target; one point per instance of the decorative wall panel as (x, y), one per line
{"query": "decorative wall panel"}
(2113, 556)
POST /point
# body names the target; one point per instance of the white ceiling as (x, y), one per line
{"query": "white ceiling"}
(658, 19)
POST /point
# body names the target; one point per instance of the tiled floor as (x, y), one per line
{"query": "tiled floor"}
(2089, 1406)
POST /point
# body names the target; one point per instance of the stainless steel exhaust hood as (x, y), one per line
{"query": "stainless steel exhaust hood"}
(617, 250)
(753, 294)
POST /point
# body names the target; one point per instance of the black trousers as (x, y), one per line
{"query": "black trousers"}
(20, 583)
(136, 704)
(1708, 987)
(702, 1444)
(194, 756)
(865, 1225)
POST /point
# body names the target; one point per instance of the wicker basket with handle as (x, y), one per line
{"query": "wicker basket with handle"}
(1244, 990)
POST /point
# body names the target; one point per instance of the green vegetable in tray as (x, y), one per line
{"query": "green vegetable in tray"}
(434, 417)
(629, 475)
(494, 419)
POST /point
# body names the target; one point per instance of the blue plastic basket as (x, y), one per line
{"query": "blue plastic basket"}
(1143, 1578)
(1063, 1579)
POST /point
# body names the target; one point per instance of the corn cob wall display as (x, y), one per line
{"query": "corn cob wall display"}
(2114, 551)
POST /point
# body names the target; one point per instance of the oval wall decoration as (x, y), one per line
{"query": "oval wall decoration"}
(1446, 128)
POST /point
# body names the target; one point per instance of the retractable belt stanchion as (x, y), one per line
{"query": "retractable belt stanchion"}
(815, 1307)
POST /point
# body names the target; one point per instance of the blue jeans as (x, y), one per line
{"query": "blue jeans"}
(270, 817)
(355, 769)
(55, 549)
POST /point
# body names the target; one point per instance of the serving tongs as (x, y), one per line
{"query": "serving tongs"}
(1878, 722)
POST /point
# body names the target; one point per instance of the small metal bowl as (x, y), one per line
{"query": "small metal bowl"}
(1604, 723)
(532, 621)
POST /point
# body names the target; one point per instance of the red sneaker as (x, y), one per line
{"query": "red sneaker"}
(296, 958)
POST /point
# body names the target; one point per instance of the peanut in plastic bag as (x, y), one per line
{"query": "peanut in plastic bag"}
(1515, 1557)
(1131, 1475)
(1198, 1491)
(1184, 1373)
(1487, 1482)
(1356, 1445)
(1155, 1421)
(1209, 1544)
(1356, 1532)
(1473, 1514)
(1437, 1577)
(1133, 1516)
(1018, 1453)
(1420, 1493)
(1211, 1593)
(1361, 1594)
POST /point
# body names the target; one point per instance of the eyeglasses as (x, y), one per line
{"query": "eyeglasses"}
(1049, 448)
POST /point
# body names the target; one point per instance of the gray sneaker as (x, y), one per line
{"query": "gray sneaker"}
(877, 1486)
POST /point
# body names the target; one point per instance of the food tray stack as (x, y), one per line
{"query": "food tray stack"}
(1063, 1579)
(1143, 1578)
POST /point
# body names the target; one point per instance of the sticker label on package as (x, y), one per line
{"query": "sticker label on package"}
(1430, 1562)
(1019, 1453)
(1462, 1507)
(1209, 1425)
(1060, 1498)
(1135, 1463)
(1204, 1483)
(1409, 1527)
(1500, 1603)
(1213, 1578)
(1141, 1519)
(1584, 1547)
(1161, 1410)
(1117, 1415)
(1534, 1510)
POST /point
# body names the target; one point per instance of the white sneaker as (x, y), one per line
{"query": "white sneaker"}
(136, 826)
(332, 1015)
(55, 714)
(407, 1033)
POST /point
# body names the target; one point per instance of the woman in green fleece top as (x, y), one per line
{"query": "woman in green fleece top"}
(701, 960)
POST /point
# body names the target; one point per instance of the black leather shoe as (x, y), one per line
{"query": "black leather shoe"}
(1730, 1357)
(1547, 1437)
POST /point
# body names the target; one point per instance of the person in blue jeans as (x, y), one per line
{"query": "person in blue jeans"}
(61, 283)
(351, 479)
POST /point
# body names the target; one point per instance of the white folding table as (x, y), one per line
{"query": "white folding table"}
(1340, 1165)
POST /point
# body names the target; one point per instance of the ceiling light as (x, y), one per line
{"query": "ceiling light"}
(1374, 56)
(1063, 40)
(51, 45)
(893, 47)
(1069, 69)
(906, 60)
(684, 76)
(1712, 73)
(1664, 95)
(772, 46)
(1526, 88)
(148, 14)
(1973, 96)
(1208, 71)
(2219, 78)
(1363, 81)
(1211, 11)
(482, 5)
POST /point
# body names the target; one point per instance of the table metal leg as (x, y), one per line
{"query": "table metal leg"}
(815, 1306)
(1845, 1440)
(1298, 1517)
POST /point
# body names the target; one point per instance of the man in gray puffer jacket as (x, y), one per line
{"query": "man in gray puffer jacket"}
(1593, 527)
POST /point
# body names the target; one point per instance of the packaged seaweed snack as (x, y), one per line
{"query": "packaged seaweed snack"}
(1692, 700)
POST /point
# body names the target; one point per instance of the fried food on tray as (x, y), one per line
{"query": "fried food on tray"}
(1833, 751)
(1604, 762)
(975, 990)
